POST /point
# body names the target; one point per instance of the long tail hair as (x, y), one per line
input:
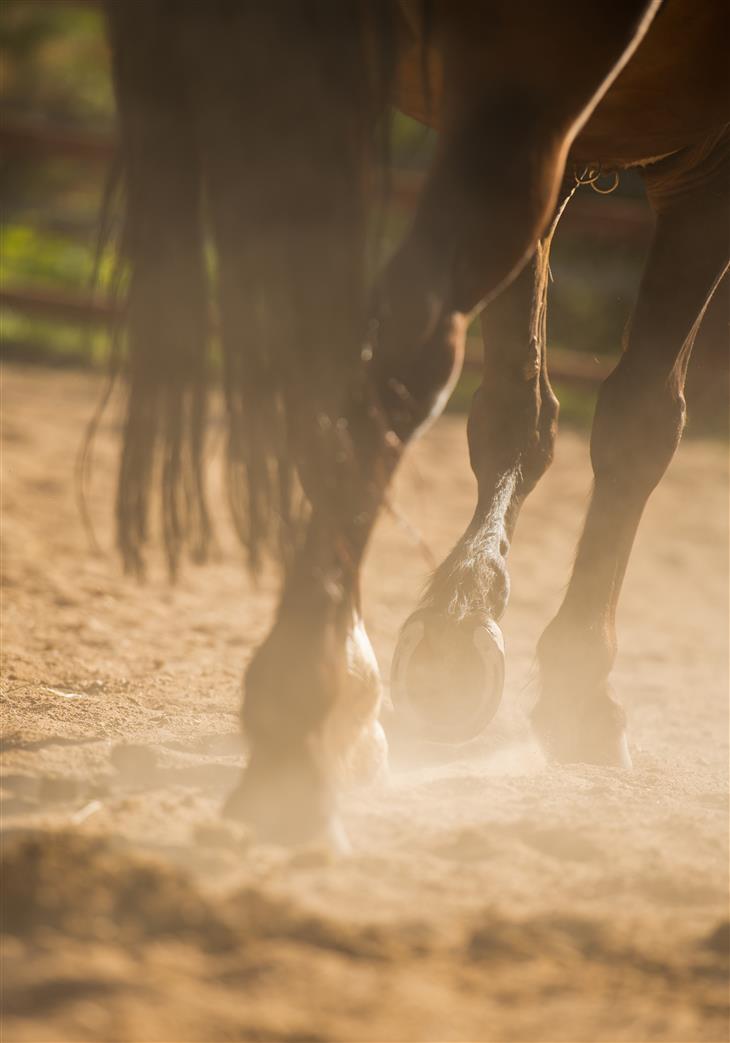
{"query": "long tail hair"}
(246, 136)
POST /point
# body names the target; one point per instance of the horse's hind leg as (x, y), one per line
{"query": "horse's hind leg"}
(638, 424)
(502, 158)
(447, 673)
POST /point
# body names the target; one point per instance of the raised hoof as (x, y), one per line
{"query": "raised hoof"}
(284, 802)
(595, 734)
(447, 675)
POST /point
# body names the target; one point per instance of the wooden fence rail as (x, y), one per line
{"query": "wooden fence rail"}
(89, 310)
(625, 218)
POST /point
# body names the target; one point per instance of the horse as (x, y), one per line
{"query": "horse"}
(253, 139)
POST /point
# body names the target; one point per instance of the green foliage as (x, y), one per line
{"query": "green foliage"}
(30, 255)
(54, 68)
(54, 62)
(29, 339)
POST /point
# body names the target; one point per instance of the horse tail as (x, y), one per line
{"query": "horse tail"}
(246, 138)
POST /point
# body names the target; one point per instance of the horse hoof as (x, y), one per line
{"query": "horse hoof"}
(447, 675)
(284, 806)
(596, 734)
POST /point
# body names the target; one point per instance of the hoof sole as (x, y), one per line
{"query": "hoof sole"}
(447, 676)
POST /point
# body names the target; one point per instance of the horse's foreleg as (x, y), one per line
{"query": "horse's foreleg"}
(638, 424)
(312, 690)
(447, 674)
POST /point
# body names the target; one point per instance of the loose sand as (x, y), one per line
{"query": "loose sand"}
(489, 896)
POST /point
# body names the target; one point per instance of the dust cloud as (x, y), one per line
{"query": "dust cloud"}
(489, 896)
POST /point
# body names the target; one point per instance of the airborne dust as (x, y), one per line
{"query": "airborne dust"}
(488, 896)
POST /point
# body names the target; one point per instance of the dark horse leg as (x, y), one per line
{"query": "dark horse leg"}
(448, 669)
(312, 690)
(639, 420)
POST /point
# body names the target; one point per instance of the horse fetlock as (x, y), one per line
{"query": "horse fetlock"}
(366, 762)
(290, 685)
(574, 653)
(354, 741)
(310, 717)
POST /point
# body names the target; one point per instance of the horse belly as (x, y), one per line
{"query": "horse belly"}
(672, 94)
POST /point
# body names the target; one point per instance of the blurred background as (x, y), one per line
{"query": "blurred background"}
(489, 896)
(57, 138)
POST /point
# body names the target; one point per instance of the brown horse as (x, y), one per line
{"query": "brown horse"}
(667, 114)
(254, 128)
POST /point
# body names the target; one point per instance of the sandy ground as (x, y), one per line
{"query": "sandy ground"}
(488, 897)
